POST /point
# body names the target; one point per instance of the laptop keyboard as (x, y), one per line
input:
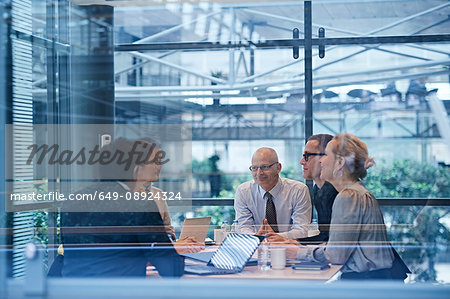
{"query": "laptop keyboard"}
(203, 269)
(230, 257)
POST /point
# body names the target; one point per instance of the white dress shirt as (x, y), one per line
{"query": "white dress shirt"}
(292, 204)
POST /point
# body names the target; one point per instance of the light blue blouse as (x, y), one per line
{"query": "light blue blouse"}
(358, 238)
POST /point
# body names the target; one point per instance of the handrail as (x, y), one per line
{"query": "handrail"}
(406, 201)
(225, 202)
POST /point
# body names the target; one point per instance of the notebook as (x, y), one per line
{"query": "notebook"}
(310, 266)
(195, 227)
(231, 257)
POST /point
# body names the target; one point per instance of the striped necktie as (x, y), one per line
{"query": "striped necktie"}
(271, 213)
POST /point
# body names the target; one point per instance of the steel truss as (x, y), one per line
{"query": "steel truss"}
(225, 122)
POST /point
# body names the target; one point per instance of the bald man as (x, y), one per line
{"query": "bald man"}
(270, 203)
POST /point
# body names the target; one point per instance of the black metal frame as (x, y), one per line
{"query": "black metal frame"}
(308, 70)
(307, 10)
(41, 41)
(286, 43)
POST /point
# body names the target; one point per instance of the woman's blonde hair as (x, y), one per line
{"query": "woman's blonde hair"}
(355, 153)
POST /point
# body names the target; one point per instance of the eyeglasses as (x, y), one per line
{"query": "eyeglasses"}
(262, 167)
(306, 155)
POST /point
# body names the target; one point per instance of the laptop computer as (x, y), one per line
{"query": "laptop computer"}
(196, 227)
(230, 257)
(205, 257)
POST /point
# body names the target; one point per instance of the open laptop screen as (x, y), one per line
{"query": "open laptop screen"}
(235, 251)
(195, 227)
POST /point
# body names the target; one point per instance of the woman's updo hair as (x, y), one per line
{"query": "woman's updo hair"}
(355, 153)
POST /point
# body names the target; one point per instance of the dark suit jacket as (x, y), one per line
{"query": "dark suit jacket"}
(123, 244)
(323, 200)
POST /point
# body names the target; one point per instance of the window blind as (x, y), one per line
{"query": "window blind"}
(22, 119)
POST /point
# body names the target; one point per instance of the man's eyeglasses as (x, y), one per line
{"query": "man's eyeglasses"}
(306, 155)
(262, 167)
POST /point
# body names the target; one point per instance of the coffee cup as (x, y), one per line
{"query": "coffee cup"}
(218, 236)
(278, 258)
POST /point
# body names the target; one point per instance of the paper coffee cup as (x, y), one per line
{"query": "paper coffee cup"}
(278, 258)
(218, 236)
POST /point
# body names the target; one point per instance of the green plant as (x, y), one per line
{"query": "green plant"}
(291, 172)
(218, 214)
(417, 231)
(408, 178)
(40, 219)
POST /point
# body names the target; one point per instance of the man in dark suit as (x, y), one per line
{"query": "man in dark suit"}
(323, 193)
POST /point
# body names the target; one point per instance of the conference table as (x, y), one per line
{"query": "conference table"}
(252, 272)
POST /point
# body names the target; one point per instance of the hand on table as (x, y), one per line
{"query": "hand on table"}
(301, 251)
(188, 245)
(276, 239)
(265, 228)
(292, 246)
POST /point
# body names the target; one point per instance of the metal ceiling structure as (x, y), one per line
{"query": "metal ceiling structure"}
(394, 41)
(226, 67)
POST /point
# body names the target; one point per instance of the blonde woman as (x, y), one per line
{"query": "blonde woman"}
(358, 238)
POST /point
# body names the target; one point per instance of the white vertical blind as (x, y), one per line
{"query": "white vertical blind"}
(22, 119)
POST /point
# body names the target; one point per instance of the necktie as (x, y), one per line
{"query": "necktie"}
(271, 213)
